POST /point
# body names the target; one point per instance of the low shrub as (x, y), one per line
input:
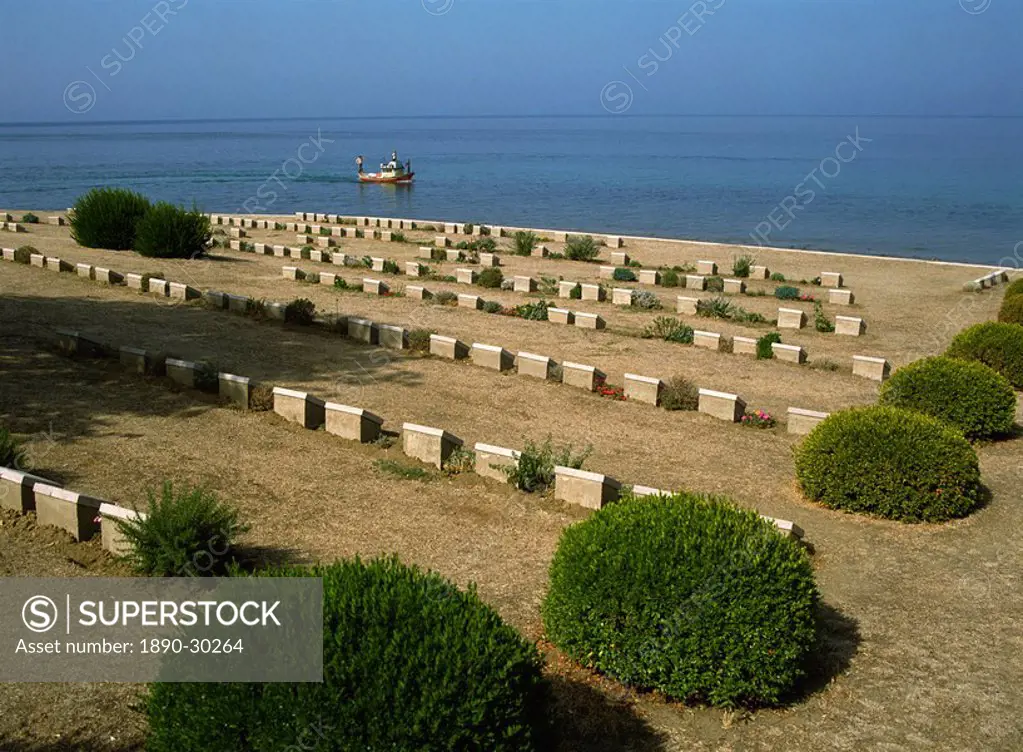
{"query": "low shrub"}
(758, 419)
(764, 350)
(969, 395)
(483, 245)
(534, 472)
(403, 470)
(341, 284)
(646, 300)
(536, 311)
(1011, 310)
(742, 265)
(823, 364)
(786, 292)
(670, 278)
(685, 594)
(300, 311)
(460, 461)
(777, 277)
(714, 308)
(107, 217)
(391, 267)
(188, 533)
(742, 316)
(889, 462)
(410, 662)
(820, 321)
(670, 329)
(492, 306)
(29, 219)
(576, 293)
(23, 254)
(168, 231)
(438, 254)
(624, 274)
(146, 276)
(444, 297)
(12, 454)
(611, 392)
(491, 277)
(207, 377)
(715, 284)
(582, 249)
(547, 285)
(524, 243)
(261, 398)
(419, 339)
(998, 345)
(680, 393)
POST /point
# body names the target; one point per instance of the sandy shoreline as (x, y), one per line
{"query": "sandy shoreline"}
(42, 213)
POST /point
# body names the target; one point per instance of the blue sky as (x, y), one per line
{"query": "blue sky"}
(117, 60)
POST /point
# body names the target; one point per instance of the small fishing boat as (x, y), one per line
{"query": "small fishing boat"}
(393, 172)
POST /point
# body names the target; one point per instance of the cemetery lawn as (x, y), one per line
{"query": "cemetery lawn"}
(922, 641)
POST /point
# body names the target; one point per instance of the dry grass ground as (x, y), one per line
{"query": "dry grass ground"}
(923, 617)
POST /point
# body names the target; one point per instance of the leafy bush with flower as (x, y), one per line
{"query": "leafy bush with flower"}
(758, 419)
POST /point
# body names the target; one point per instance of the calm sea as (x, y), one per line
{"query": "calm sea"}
(931, 188)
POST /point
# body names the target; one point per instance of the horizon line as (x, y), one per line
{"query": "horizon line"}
(590, 116)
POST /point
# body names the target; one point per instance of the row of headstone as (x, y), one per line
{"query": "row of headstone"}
(988, 280)
(81, 515)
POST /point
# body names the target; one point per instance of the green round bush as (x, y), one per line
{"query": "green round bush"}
(168, 231)
(976, 399)
(106, 218)
(1015, 288)
(890, 462)
(686, 594)
(1011, 311)
(410, 662)
(490, 277)
(994, 344)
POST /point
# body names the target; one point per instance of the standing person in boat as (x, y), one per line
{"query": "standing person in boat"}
(358, 162)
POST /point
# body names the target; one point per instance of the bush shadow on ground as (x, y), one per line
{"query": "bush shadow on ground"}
(589, 720)
(838, 640)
